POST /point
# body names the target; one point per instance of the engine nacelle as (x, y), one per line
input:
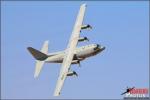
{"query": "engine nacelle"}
(74, 62)
(83, 39)
(86, 26)
(72, 73)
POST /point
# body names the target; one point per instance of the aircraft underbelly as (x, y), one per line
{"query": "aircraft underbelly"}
(59, 58)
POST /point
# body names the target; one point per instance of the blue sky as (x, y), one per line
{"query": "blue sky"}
(122, 27)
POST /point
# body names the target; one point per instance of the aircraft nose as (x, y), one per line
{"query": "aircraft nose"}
(99, 47)
(103, 48)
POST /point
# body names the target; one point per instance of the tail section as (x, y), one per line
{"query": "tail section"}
(39, 65)
(45, 47)
(37, 54)
(40, 57)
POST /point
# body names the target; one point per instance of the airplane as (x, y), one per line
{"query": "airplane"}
(128, 90)
(71, 55)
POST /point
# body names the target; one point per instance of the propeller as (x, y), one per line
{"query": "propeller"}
(86, 38)
(89, 26)
(75, 73)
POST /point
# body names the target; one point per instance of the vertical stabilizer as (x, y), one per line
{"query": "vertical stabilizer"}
(39, 64)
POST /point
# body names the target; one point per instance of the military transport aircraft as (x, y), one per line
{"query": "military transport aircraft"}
(72, 55)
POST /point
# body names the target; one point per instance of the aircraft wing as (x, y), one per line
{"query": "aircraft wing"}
(69, 53)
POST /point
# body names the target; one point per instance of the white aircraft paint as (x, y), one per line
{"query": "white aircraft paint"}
(72, 55)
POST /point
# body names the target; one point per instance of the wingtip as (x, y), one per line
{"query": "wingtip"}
(57, 94)
(84, 4)
(35, 76)
(29, 48)
(47, 41)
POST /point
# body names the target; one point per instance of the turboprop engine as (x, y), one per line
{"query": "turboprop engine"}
(86, 26)
(72, 73)
(83, 39)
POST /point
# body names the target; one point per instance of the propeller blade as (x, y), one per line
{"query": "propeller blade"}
(86, 38)
(75, 73)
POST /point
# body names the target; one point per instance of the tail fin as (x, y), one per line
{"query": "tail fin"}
(40, 57)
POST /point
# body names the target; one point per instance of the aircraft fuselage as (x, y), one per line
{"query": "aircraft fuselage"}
(81, 53)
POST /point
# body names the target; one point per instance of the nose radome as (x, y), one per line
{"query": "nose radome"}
(103, 47)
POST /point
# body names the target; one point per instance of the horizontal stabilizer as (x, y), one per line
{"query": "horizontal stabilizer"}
(39, 65)
(37, 54)
(40, 57)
